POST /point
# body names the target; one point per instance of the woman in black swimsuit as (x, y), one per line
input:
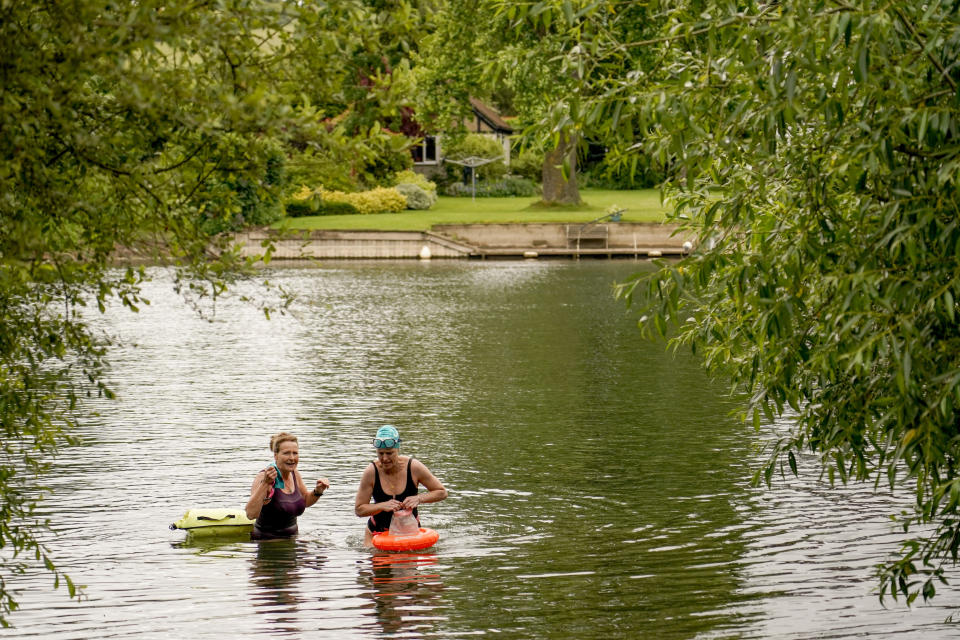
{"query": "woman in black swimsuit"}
(275, 503)
(392, 482)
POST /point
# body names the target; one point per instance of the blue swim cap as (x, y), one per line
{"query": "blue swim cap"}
(388, 431)
(387, 437)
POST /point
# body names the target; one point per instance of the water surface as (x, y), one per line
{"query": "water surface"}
(598, 486)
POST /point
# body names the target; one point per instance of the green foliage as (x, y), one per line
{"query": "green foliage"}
(417, 198)
(390, 155)
(140, 127)
(373, 157)
(303, 208)
(475, 145)
(409, 176)
(814, 150)
(237, 200)
(483, 48)
(527, 164)
(508, 186)
(605, 175)
(356, 74)
(324, 165)
(379, 200)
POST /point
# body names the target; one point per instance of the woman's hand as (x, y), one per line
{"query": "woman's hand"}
(390, 505)
(411, 502)
(270, 475)
(322, 485)
(260, 492)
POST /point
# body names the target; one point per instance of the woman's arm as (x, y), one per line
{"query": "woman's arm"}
(362, 506)
(258, 494)
(311, 495)
(435, 489)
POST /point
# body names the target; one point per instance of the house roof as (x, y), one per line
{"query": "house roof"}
(490, 117)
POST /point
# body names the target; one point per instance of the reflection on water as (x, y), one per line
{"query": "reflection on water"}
(406, 590)
(598, 486)
(274, 578)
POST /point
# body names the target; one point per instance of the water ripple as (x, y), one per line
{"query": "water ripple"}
(598, 487)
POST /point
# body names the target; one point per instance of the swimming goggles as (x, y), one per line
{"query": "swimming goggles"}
(386, 443)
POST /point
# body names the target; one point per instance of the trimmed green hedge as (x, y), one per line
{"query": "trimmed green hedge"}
(304, 208)
(508, 186)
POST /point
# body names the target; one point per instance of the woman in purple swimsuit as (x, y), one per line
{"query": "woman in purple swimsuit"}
(393, 482)
(278, 494)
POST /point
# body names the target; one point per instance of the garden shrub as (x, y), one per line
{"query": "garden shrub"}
(336, 209)
(408, 176)
(379, 200)
(507, 187)
(316, 207)
(528, 164)
(417, 197)
(301, 208)
(480, 146)
(385, 160)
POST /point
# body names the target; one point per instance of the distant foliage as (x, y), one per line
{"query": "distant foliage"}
(417, 198)
(507, 187)
(304, 208)
(604, 176)
(528, 164)
(476, 145)
(390, 153)
(379, 200)
(409, 176)
(234, 200)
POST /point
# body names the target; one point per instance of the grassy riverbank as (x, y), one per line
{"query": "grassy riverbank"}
(641, 206)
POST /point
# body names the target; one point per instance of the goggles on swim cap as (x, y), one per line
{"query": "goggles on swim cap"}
(387, 438)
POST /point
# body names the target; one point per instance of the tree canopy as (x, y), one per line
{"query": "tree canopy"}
(813, 147)
(141, 128)
(526, 51)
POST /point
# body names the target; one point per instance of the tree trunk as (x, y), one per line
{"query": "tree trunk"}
(557, 190)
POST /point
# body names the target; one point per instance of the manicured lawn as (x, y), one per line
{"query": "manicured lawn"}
(641, 206)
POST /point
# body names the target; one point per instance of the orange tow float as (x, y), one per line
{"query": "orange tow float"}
(422, 539)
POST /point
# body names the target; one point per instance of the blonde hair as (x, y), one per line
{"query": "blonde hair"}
(280, 438)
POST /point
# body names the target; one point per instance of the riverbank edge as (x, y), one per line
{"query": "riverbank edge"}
(475, 241)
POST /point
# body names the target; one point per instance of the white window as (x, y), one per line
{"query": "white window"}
(426, 151)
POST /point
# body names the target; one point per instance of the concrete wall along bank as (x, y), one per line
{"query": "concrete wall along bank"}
(464, 241)
(351, 245)
(621, 235)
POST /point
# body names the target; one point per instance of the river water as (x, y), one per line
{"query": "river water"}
(599, 487)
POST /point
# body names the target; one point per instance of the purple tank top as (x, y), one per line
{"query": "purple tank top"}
(278, 518)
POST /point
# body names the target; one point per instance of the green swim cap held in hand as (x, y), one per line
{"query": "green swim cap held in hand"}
(278, 483)
(387, 437)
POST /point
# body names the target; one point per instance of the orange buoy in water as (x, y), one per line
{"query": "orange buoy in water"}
(421, 540)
